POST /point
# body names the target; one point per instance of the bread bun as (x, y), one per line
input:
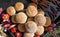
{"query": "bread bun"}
(31, 11)
(31, 27)
(21, 17)
(19, 6)
(40, 30)
(40, 20)
(11, 10)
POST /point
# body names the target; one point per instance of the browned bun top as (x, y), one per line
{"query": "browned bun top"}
(31, 11)
(19, 6)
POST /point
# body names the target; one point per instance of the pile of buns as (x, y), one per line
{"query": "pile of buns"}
(31, 21)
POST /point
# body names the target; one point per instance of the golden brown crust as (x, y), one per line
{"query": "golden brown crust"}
(19, 6)
(40, 20)
(31, 27)
(11, 10)
(48, 21)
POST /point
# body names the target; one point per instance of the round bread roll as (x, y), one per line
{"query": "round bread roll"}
(21, 28)
(30, 19)
(40, 20)
(11, 11)
(31, 11)
(19, 6)
(13, 19)
(40, 30)
(40, 11)
(31, 27)
(21, 17)
(48, 21)
(28, 34)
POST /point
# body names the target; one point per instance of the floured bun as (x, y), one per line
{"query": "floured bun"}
(11, 10)
(40, 20)
(31, 27)
(28, 34)
(19, 6)
(40, 30)
(21, 17)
